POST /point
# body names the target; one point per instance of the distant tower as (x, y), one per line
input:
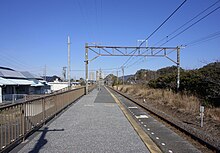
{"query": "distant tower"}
(91, 76)
(97, 76)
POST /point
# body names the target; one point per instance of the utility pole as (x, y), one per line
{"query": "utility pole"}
(178, 68)
(123, 73)
(100, 76)
(68, 61)
(86, 67)
(117, 77)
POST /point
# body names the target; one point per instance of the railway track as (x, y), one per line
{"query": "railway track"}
(194, 134)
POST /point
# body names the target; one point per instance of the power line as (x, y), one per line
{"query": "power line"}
(14, 62)
(164, 21)
(107, 69)
(134, 51)
(188, 22)
(85, 17)
(191, 25)
(204, 39)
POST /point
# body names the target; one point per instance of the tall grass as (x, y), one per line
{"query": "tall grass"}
(181, 102)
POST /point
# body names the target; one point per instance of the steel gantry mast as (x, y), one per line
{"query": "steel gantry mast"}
(131, 51)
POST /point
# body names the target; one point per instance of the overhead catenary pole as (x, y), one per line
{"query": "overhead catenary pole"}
(117, 77)
(68, 42)
(178, 68)
(86, 67)
(123, 75)
(100, 78)
(131, 51)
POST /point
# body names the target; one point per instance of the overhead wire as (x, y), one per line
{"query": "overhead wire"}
(191, 24)
(85, 17)
(134, 51)
(106, 69)
(14, 61)
(203, 39)
(163, 22)
(196, 16)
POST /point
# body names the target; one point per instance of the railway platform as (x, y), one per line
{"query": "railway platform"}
(95, 123)
(104, 121)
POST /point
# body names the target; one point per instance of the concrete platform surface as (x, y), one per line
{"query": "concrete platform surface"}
(93, 124)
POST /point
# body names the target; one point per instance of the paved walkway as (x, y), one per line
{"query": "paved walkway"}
(94, 124)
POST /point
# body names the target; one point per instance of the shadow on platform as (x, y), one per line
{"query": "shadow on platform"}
(42, 141)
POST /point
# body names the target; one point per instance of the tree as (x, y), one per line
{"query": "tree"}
(203, 82)
(82, 82)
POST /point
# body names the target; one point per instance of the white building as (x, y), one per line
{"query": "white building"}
(20, 83)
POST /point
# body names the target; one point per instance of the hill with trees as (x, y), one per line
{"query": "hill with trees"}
(203, 82)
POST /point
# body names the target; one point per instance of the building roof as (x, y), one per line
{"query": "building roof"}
(6, 68)
(6, 82)
(52, 78)
(29, 75)
(36, 83)
(10, 74)
(11, 77)
(33, 83)
(21, 81)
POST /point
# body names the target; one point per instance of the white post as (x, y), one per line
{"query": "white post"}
(178, 68)
(100, 75)
(0, 94)
(86, 68)
(123, 73)
(68, 61)
(202, 109)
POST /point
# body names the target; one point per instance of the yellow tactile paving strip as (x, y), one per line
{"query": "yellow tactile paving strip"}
(153, 148)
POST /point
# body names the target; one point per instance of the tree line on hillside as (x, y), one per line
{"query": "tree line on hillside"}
(203, 82)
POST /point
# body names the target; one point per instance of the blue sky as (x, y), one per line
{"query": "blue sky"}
(34, 33)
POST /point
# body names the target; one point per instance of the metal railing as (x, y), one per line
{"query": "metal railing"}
(18, 120)
(13, 98)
